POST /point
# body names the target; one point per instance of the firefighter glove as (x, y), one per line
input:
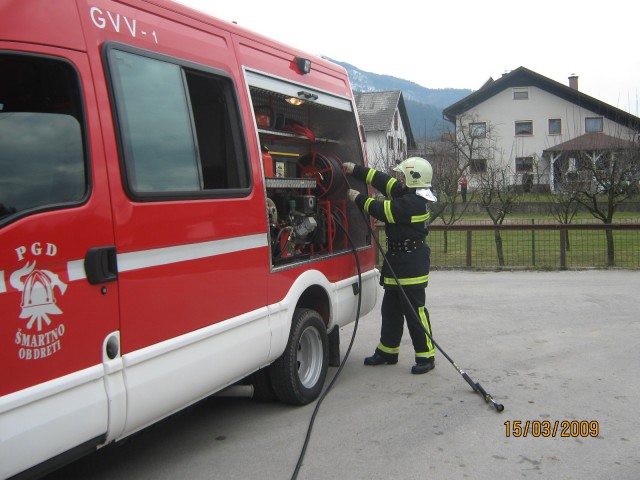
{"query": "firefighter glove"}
(352, 194)
(348, 167)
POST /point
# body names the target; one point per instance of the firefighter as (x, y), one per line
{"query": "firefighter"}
(405, 212)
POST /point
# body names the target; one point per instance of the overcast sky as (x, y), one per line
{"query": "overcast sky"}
(460, 43)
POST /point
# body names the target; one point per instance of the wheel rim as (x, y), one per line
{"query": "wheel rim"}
(309, 357)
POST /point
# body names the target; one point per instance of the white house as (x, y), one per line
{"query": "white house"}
(384, 117)
(526, 116)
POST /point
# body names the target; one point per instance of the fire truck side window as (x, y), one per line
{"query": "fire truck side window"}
(42, 159)
(179, 129)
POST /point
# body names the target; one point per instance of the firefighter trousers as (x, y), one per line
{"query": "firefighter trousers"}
(394, 313)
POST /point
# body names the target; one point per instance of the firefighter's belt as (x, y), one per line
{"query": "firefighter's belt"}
(407, 245)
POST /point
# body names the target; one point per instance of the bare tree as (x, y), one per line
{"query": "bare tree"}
(470, 152)
(498, 198)
(472, 141)
(382, 157)
(609, 178)
(541, 170)
(447, 171)
(564, 205)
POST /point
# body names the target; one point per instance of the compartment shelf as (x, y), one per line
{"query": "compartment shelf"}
(273, 182)
(292, 136)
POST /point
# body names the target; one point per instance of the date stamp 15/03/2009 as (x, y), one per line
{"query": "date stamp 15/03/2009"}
(552, 428)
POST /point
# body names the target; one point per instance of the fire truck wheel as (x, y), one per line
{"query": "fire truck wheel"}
(298, 375)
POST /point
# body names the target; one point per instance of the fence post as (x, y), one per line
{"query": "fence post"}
(469, 248)
(533, 243)
(563, 248)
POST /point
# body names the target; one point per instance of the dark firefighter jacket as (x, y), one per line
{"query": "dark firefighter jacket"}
(406, 216)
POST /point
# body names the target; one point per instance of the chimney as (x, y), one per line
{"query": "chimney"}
(573, 81)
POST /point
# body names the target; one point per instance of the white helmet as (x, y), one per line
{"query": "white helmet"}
(417, 172)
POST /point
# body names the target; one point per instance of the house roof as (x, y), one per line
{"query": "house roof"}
(523, 77)
(376, 109)
(592, 141)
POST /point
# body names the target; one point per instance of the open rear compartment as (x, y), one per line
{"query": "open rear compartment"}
(305, 136)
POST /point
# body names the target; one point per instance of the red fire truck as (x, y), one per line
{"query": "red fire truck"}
(173, 220)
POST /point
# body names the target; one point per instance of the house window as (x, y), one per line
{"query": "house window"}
(524, 164)
(524, 128)
(478, 130)
(400, 145)
(521, 93)
(478, 165)
(390, 144)
(555, 126)
(593, 124)
(395, 120)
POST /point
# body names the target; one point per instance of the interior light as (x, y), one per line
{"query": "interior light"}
(294, 101)
(303, 64)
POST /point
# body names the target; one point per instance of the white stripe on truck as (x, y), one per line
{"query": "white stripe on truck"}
(180, 253)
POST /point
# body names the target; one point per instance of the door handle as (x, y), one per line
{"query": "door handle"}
(100, 265)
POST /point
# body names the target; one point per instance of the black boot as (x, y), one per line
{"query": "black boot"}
(423, 365)
(377, 359)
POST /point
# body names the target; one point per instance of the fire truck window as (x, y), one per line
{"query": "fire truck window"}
(42, 161)
(175, 128)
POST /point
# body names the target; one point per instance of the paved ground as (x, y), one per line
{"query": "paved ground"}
(551, 346)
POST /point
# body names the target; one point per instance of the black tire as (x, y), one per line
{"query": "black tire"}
(299, 374)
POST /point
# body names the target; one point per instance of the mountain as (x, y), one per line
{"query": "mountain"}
(424, 105)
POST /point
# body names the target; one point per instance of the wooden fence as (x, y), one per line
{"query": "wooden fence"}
(533, 246)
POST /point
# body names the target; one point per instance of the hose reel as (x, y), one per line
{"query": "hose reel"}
(325, 168)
